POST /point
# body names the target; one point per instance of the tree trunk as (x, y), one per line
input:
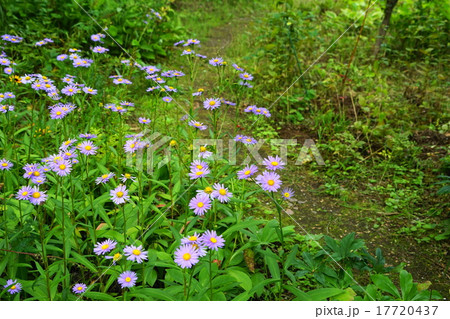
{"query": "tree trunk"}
(390, 4)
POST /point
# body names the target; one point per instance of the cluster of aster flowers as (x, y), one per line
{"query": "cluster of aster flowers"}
(257, 110)
(60, 110)
(43, 42)
(6, 62)
(245, 139)
(77, 60)
(11, 38)
(195, 246)
(199, 169)
(99, 49)
(98, 37)
(133, 253)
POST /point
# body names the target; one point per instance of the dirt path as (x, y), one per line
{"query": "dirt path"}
(319, 213)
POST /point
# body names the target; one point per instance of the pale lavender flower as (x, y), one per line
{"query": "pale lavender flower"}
(216, 61)
(273, 163)
(211, 240)
(200, 204)
(24, 193)
(5, 165)
(119, 195)
(211, 104)
(89, 90)
(269, 181)
(287, 193)
(37, 197)
(135, 253)
(13, 286)
(79, 288)
(87, 148)
(246, 76)
(127, 279)
(198, 125)
(186, 256)
(144, 120)
(247, 172)
(104, 178)
(221, 193)
(104, 247)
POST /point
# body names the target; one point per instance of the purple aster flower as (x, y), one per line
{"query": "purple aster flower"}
(65, 145)
(87, 136)
(8, 70)
(211, 104)
(186, 256)
(104, 247)
(135, 253)
(216, 61)
(37, 197)
(200, 204)
(211, 240)
(13, 286)
(167, 99)
(62, 57)
(69, 154)
(250, 108)
(79, 288)
(198, 93)
(228, 102)
(24, 193)
(144, 120)
(198, 173)
(5, 62)
(221, 193)
(87, 148)
(191, 41)
(170, 88)
(127, 279)
(187, 52)
(119, 195)
(104, 178)
(199, 164)
(5, 165)
(273, 163)
(198, 125)
(126, 177)
(62, 167)
(100, 49)
(151, 69)
(89, 90)
(269, 181)
(201, 56)
(249, 140)
(287, 193)
(247, 172)
(126, 103)
(179, 42)
(97, 37)
(150, 89)
(133, 145)
(237, 67)
(70, 90)
(239, 138)
(193, 239)
(204, 153)
(246, 76)
(177, 73)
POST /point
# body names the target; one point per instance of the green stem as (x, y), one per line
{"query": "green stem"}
(44, 251)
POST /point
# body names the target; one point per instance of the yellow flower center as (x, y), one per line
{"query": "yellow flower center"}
(200, 204)
(213, 240)
(4, 164)
(13, 287)
(136, 252)
(270, 182)
(202, 149)
(80, 288)
(198, 166)
(215, 60)
(36, 173)
(286, 195)
(200, 90)
(128, 279)
(70, 90)
(62, 166)
(24, 193)
(245, 75)
(274, 163)
(212, 103)
(119, 194)
(90, 90)
(36, 195)
(187, 256)
(58, 113)
(105, 246)
(258, 110)
(197, 124)
(247, 172)
(222, 191)
(120, 80)
(193, 238)
(117, 257)
(199, 173)
(87, 147)
(127, 175)
(208, 190)
(132, 145)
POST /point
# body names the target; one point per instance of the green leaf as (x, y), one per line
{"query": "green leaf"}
(242, 277)
(324, 293)
(406, 284)
(385, 284)
(82, 260)
(99, 296)
(242, 225)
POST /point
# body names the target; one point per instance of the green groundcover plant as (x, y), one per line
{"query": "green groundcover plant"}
(86, 216)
